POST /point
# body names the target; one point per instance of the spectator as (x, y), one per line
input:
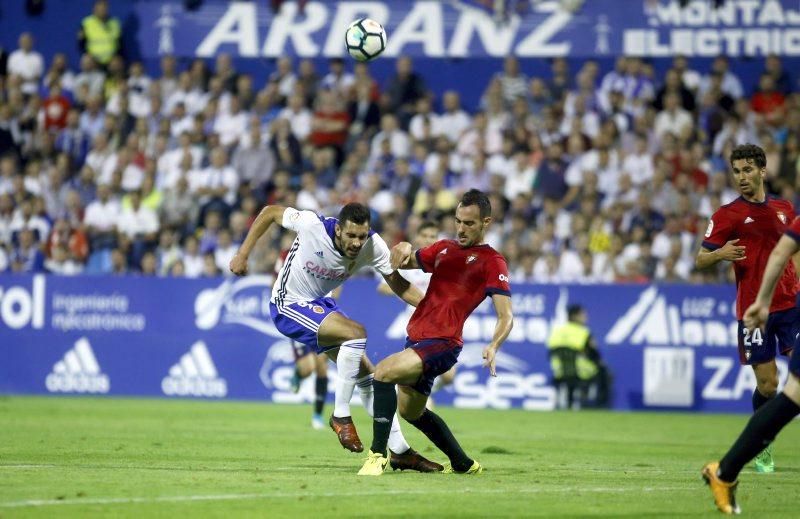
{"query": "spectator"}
(26, 64)
(193, 261)
(27, 257)
(299, 116)
(101, 219)
(673, 119)
(404, 90)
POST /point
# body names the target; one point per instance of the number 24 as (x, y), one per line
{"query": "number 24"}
(755, 339)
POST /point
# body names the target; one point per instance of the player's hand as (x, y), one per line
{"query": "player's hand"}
(732, 252)
(238, 264)
(756, 316)
(488, 359)
(400, 254)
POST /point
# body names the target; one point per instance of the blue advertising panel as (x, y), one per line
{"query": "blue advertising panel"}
(459, 29)
(668, 347)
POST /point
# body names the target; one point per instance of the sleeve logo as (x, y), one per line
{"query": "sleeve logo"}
(503, 277)
(710, 228)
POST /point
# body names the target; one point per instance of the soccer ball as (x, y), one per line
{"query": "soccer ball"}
(365, 39)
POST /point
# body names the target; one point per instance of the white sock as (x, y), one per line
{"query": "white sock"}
(348, 362)
(397, 442)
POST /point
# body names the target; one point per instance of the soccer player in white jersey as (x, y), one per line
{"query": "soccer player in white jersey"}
(325, 253)
(427, 234)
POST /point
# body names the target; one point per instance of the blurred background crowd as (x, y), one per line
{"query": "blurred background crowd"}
(594, 177)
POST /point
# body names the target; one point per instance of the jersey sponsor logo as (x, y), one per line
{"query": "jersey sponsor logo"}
(78, 372)
(748, 220)
(710, 228)
(321, 272)
(471, 258)
(782, 217)
(503, 278)
(244, 301)
(195, 375)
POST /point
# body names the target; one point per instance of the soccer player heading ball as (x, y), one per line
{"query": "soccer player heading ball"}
(464, 271)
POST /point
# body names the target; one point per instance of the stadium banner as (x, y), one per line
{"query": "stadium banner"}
(466, 28)
(668, 347)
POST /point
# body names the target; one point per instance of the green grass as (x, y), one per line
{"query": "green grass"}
(142, 458)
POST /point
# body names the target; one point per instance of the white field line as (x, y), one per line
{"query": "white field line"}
(275, 495)
(28, 466)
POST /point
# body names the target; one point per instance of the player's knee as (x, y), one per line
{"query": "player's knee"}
(383, 372)
(355, 331)
(768, 386)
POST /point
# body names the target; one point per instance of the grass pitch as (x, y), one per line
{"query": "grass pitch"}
(140, 458)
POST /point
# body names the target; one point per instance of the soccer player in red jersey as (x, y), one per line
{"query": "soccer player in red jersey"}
(464, 272)
(764, 425)
(744, 232)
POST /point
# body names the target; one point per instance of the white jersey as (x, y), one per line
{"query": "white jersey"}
(417, 277)
(314, 267)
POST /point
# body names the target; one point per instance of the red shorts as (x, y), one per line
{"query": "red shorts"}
(438, 356)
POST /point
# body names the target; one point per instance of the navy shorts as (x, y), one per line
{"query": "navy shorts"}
(301, 321)
(438, 356)
(779, 335)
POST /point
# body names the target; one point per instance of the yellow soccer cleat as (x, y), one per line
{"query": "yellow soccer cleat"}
(375, 465)
(476, 468)
(724, 493)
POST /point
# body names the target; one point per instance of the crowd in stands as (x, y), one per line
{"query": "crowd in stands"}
(593, 177)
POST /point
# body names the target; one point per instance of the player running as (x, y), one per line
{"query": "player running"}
(325, 253)
(744, 232)
(764, 425)
(427, 234)
(464, 272)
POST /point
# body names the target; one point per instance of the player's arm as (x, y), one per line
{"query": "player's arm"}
(505, 322)
(268, 215)
(707, 258)
(404, 290)
(756, 315)
(403, 257)
(384, 289)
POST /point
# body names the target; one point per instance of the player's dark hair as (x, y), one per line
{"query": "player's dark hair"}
(354, 212)
(479, 198)
(749, 152)
(427, 224)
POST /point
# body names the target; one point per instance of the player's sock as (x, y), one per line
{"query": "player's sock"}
(437, 431)
(365, 389)
(385, 407)
(760, 431)
(321, 391)
(348, 362)
(759, 399)
(397, 442)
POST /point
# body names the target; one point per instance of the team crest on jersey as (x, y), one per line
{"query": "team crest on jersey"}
(318, 309)
(471, 258)
(782, 217)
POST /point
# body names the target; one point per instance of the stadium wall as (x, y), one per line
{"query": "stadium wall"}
(670, 347)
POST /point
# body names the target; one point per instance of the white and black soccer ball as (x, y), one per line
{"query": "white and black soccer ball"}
(365, 39)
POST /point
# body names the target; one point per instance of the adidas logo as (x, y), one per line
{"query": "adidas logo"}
(78, 372)
(195, 375)
(748, 220)
(318, 253)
